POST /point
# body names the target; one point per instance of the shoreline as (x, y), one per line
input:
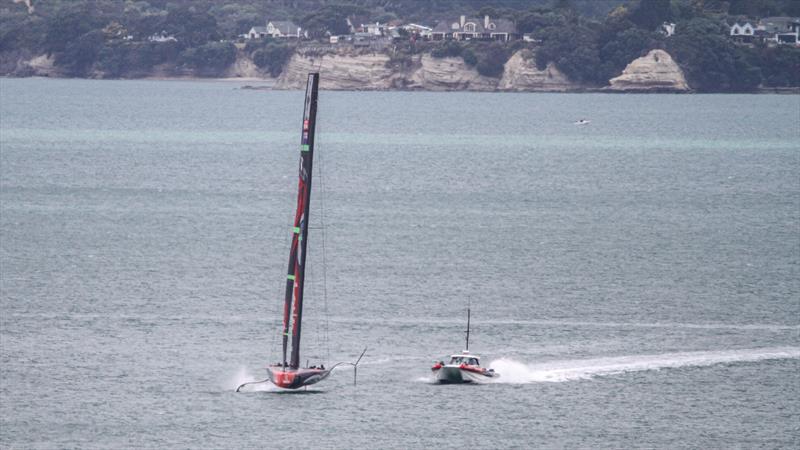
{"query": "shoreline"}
(264, 84)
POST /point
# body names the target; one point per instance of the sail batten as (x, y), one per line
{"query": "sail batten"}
(293, 304)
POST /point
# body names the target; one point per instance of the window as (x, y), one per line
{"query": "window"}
(469, 27)
(492, 26)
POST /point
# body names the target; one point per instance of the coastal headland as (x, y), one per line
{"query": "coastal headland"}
(353, 69)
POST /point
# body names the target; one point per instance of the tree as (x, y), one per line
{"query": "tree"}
(210, 59)
(491, 62)
(650, 14)
(330, 20)
(273, 57)
(573, 50)
(533, 21)
(447, 49)
(190, 27)
(67, 25)
(80, 54)
(469, 57)
(624, 48)
(711, 62)
(780, 66)
(487, 11)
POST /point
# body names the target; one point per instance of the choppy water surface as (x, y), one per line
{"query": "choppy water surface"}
(635, 281)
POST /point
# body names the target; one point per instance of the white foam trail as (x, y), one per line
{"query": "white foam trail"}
(515, 372)
(243, 376)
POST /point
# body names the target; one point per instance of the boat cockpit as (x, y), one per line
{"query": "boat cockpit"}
(464, 359)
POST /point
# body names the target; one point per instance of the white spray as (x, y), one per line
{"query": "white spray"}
(515, 372)
(243, 376)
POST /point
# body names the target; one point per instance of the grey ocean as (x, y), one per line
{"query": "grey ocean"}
(636, 281)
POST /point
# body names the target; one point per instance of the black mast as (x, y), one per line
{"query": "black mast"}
(297, 259)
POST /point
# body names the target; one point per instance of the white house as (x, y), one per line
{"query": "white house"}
(743, 32)
(466, 28)
(779, 30)
(161, 37)
(667, 29)
(257, 33)
(276, 29)
(284, 29)
(420, 30)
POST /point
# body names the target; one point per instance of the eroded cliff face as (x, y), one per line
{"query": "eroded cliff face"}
(446, 74)
(521, 74)
(38, 66)
(364, 70)
(338, 71)
(371, 71)
(655, 72)
(244, 67)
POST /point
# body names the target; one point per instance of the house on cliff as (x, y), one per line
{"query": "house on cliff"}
(363, 25)
(467, 28)
(279, 29)
(769, 30)
(256, 33)
(418, 30)
(744, 33)
(779, 30)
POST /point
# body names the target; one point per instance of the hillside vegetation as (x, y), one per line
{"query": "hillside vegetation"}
(590, 41)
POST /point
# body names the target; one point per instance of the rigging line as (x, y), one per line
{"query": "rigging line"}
(276, 306)
(324, 255)
(287, 231)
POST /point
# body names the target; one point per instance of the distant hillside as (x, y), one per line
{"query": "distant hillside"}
(588, 41)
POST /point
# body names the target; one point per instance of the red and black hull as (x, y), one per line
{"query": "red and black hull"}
(288, 378)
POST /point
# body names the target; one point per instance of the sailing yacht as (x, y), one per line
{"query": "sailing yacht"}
(288, 373)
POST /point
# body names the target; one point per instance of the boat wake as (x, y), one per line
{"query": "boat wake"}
(515, 372)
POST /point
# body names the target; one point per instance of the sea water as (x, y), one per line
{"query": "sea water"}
(635, 281)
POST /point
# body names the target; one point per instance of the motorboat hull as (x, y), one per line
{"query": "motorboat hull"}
(459, 374)
(288, 378)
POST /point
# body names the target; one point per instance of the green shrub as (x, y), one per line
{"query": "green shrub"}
(210, 59)
(448, 49)
(273, 57)
(469, 57)
(492, 60)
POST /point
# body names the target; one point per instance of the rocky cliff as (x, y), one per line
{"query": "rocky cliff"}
(521, 74)
(371, 71)
(340, 71)
(446, 74)
(365, 70)
(655, 72)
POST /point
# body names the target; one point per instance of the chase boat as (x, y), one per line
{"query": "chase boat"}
(462, 368)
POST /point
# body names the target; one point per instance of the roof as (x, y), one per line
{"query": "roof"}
(259, 29)
(778, 24)
(358, 21)
(285, 26)
(417, 26)
(465, 355)
(501, 26)
(504, 26)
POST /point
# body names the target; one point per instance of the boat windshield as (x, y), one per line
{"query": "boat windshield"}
(464, 360)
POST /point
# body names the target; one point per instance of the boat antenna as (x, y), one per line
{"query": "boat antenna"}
(468, 307)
